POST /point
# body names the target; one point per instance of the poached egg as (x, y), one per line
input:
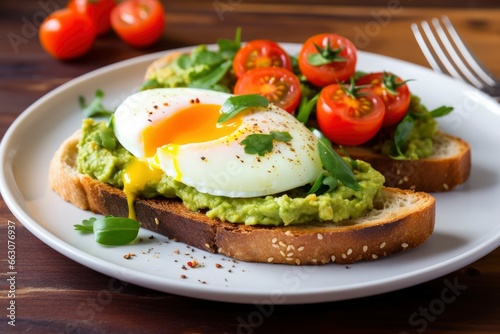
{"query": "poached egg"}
(175, 131)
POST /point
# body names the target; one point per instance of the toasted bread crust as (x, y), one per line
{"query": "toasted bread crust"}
(437, 173)
(401, 220)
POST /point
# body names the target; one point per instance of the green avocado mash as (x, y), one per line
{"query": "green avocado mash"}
(102, 157)
(419, 143)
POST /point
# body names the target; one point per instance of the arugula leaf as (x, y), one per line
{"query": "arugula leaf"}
(235, 104)
(211, 77)
(323, 184)
(441, 111)
(336, 166)
(306, 107)
(94, 108)
(401, 134)
(227, 47)
(110, 230)
(261, 143)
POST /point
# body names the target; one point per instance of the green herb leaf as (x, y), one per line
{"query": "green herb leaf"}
(441, 111)
(281, 136)
(236, 104)
(353, 162)
(211, 77)
(110, 230)
(401, 134)
(323, 184)
(261, 143)
(336, 166)
(150, 84)
(306, 107)
(94, 108)
(87, 225)
(227, 47)
(115, 230)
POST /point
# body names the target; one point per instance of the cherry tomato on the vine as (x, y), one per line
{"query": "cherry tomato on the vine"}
(67, 34)
(139, 23)
(393, 91)
(260, 53)
(279, 85)
(97, 10)
(349, 116)
(327, 59)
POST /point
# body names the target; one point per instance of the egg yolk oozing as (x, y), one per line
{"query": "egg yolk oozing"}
(135, 177)
(194, 124)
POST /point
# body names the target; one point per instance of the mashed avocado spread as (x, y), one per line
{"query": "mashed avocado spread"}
(419, 143)
(102, 157)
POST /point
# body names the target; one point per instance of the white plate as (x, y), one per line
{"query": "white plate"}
(466, 224)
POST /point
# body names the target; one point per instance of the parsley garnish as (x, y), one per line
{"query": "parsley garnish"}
(236, 104)
(110, 230)
(261, 143)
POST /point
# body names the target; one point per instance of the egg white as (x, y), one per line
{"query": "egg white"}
(221, 166)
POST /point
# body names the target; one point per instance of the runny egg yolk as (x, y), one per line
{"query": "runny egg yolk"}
(194, 124)
(135, 177)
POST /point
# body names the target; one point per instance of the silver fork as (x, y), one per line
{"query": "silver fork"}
(451, 56)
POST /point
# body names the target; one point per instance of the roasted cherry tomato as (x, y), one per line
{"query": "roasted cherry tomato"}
(260, 53)
(349, 116)
(139, 23)
(66, 34)
(97, 10)
(393, 91)
(327, 59)
(279, 85)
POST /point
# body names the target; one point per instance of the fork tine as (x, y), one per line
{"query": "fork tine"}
(473, 62)
(450, 49)
(441, 55)
(425, 49)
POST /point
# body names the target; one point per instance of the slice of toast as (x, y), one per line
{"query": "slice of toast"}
(448, 167)
(401, 219)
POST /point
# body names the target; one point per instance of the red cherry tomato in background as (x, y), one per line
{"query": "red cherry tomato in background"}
(279, 85)
(97, 10)
(336, 63)
(66, 34)
(139, 23)
(393, 91)
(260, 53)
(348, 120)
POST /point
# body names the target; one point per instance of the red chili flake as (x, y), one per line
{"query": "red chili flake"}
(193, 264)
(183, 276)
(218, 265)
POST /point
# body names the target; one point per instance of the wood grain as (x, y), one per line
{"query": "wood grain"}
(57, 295)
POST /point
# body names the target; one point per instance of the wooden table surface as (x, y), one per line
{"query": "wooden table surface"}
(54, 294)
